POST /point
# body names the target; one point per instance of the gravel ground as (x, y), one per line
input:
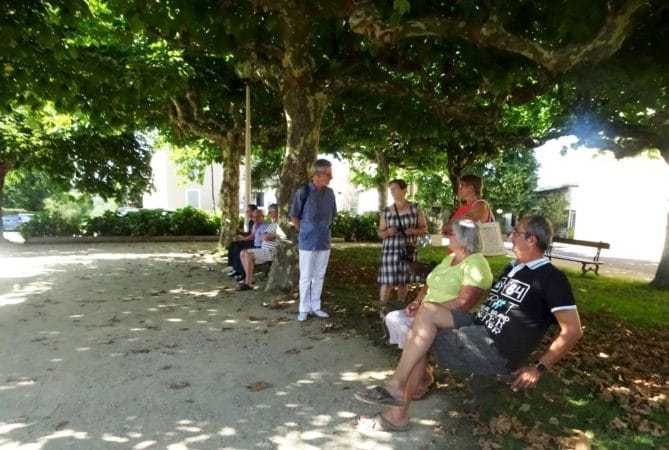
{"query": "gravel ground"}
(137, 346)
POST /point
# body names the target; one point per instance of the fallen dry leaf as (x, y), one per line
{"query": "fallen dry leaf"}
(653, 428)
(619, 424)
(500, 424)
(258, 386)
(488, 444)
(179, 385)
(578, 440)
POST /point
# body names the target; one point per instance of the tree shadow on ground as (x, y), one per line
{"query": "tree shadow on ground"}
(144, 347)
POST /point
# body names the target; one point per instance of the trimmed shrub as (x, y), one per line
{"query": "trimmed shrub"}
(149, 222)
(365, 227)
(342, 226)
(45, 224)
(110, 223)
(360, 228)
(146, 222)
(189, 221)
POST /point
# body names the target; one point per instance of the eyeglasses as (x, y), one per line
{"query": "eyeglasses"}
(516, 232)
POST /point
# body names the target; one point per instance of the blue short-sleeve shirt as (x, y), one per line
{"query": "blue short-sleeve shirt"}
(258, 231)
(315, 217)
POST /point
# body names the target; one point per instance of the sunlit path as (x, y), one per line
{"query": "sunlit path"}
(148, 346)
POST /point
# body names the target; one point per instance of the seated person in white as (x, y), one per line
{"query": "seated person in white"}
(252, 256)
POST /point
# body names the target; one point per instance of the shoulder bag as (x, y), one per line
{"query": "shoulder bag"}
(490, 236)
(409, 255)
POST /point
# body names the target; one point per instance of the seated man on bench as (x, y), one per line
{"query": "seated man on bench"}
(241, 242)
(529, 296)
(270, 232)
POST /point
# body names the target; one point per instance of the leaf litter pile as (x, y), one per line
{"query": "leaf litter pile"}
(611, 391)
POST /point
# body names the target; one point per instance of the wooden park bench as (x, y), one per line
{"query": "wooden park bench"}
(585, 262)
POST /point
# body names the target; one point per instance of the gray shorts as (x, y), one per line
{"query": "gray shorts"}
(468, 349)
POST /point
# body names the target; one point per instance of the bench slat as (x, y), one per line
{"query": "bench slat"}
(604, 245)
(581, 260)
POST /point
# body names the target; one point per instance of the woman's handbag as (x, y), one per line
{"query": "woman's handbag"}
(409, 255)
(490, 237)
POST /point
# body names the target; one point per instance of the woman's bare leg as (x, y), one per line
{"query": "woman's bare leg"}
(430, 318)
(402, 292)
(384, 297)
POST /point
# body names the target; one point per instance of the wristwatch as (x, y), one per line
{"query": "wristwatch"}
(541, 367)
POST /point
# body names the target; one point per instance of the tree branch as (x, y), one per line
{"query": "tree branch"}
(623, 139)
(366, 20)
(188, 121)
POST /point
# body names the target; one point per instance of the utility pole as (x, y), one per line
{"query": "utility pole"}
(247, 147)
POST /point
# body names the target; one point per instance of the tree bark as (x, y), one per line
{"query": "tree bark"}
(662, 274)
(231, 152)
(382, 176)
(454, 173)
(283, 274)
(304, 109)
(303, 96)
(365, 19)
(4, 169)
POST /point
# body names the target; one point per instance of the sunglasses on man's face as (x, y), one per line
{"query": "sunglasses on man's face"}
(516, 232)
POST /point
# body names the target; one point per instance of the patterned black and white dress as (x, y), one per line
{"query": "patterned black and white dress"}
(392, 271)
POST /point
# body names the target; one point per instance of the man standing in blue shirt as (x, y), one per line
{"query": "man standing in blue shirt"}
(312, 211)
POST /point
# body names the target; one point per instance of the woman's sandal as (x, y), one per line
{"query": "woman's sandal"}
(379, 422)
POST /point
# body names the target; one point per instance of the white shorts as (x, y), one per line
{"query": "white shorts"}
(398, 324)
(261, 255)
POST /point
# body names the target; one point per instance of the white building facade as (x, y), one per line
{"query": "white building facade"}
(620, 201)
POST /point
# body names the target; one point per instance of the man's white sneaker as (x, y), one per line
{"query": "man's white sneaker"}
(320, 313)
(302, 316)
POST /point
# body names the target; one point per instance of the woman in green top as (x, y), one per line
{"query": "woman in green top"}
(456, 284)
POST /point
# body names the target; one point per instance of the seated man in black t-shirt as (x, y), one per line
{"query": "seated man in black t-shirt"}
(529, 297)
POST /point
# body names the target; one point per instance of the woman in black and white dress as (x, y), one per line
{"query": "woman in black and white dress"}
(400, 225)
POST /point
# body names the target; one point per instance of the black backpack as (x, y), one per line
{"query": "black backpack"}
(307, 191)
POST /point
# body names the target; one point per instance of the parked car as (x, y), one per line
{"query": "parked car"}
(11, 222)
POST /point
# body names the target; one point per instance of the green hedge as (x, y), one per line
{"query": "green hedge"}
(46, 223)
(186, 221)
(360, 228)
(182, 222)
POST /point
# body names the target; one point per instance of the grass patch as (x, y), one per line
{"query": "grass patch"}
(611, 391)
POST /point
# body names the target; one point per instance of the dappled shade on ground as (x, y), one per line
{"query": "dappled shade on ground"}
(611, 390)
(149, 346)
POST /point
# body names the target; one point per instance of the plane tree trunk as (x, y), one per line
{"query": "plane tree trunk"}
(4, 170)
(231, 152)
(383, 171)
(662, 274)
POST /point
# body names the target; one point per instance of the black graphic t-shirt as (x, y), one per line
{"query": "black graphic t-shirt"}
(520, 307)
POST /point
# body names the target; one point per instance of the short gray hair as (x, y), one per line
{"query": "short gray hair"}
(465, 232)
(320, 165)
(540, 228)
